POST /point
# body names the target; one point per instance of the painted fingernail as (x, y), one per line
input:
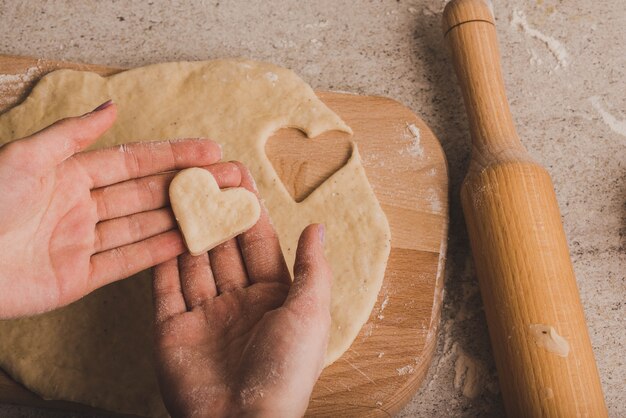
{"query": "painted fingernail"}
(321, 230)
(103, 106)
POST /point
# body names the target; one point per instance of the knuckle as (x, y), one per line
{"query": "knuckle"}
(135, 227)
(131, 160)
(102, 208)
(150, 191)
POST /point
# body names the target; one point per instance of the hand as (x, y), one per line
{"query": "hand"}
(233, 336)
(71, 222)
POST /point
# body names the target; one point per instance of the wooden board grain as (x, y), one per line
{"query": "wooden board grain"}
(389, 359)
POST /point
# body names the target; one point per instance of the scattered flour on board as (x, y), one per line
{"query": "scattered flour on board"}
(383, 305)
(413, 134)
(433, 200)
(408, 369)
(271, 77)
(556, 48)
(617, 126)
(10, 84)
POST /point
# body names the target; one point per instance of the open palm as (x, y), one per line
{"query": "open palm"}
(234, 337)
(71, 221)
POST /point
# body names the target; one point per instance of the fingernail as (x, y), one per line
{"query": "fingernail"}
(103, 106)
(97, 109)
(321, 230)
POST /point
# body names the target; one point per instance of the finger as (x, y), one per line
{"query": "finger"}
(309, 295)
(122, 262)
(129, 161)
(196, 278)
(228, 267)
(149, 193)
(64, 138)
(259, 245)
(133, 228)
(166, 291)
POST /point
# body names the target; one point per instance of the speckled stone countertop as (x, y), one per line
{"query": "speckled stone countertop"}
(568, 99)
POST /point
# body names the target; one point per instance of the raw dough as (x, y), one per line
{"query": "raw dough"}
(546, 336)
(206, 215)
(97, 351)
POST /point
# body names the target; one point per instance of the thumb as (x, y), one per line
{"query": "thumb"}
(66, 137)
(309, 295)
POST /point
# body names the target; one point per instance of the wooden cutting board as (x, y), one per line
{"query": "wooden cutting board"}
(406, 166)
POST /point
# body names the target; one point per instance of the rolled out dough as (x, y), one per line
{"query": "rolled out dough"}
(206, 215)
(97, 350)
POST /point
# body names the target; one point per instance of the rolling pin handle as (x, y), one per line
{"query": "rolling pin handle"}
(469, 28)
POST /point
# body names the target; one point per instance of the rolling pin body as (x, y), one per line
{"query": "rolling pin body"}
(536, 322)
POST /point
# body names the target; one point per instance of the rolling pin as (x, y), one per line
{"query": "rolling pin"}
(535, 318)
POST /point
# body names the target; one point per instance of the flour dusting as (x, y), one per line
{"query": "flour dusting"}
(433, 200)
(408, 369)
(12, 85)
(470, 375)
(382, 307)
(415, 148)
(384, 304)
(18, 78)
(556, 48)
(317, 25)
(271, 77)
(617, 126)
(534, 58)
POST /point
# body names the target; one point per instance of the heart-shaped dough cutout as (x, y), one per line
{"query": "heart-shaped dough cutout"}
(206, 215)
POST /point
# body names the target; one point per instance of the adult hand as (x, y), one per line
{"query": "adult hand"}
(71, 221)
(234, 336)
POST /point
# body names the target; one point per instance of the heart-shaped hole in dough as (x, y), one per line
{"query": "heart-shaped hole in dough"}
(206, 215)
(302, 163)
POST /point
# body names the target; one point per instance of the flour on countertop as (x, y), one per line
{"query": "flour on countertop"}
(617, 126)
(470, 375)
(321, 24)
(556, 48)
(534, 58)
